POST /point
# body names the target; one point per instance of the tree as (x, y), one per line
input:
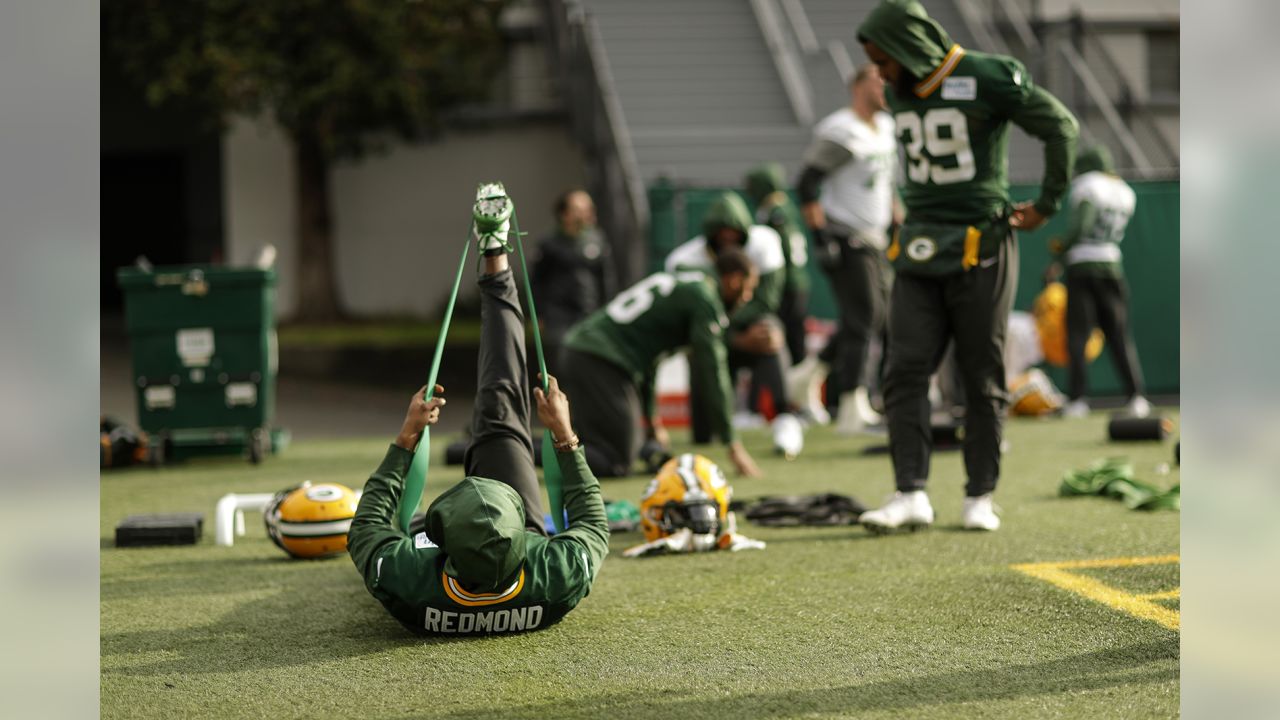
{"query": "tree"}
(341, 77)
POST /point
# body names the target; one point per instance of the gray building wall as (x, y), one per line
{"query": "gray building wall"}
(400, 218)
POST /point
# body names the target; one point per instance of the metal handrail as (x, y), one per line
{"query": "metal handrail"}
(795, 82)
(842, 60)
(1108, 110)
(1021, 26)
(979, 26)
(1016, 19)
(598, 122)
(801, 26)
(617, 125)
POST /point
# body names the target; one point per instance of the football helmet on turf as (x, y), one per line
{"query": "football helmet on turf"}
(311, 521)
(1033, 393)
(689, 492)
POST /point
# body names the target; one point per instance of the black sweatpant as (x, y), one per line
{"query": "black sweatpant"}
(501, 446)
(971, 308)
(1100, 301)
(766, 372)
(859, 286)
(606, 408)
(791, 312)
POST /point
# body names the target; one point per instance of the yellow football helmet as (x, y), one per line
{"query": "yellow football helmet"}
(1032, 394)
(690, 492)
(311, 521)
(1050, 310)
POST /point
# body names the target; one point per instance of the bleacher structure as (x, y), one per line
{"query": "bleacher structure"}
(693, 93)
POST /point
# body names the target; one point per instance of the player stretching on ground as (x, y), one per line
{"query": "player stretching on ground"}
(955, 255)
(612, 357)
(484, 563)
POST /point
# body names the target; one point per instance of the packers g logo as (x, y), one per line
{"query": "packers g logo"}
(921, 249)
(324, 493)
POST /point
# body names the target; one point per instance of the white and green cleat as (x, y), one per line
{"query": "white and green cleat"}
(491, 218)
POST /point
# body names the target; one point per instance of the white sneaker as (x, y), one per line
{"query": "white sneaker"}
(1138, 407)
(491, 217)
(862, 401)
(1076, 409)
(788, 435)
(848, 419)
(910, 510)
(804, 385)
(980, 513)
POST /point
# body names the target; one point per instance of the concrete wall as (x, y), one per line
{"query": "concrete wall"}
(400, 218)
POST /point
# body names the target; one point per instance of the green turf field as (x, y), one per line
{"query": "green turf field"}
(825, 622)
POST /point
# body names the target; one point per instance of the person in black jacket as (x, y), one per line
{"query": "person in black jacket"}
(573, 275)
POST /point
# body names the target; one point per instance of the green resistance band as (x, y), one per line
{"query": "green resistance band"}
(416, 480)
(550, 466)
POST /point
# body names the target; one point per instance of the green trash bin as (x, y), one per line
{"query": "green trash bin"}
(204, 358)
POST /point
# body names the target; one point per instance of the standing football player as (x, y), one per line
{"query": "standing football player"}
(611, 360)
(848, 199)
(1101, 205)
(483, 563)
(767, 190)
(955, 255)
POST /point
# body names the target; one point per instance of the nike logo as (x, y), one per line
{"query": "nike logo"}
(378, 568)
(988, 262)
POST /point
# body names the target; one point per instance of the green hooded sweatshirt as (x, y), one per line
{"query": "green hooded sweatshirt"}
(1101, 206)
(761, 243)
(476, 568)
(1096, 158)
(954, 126)
(767, 191)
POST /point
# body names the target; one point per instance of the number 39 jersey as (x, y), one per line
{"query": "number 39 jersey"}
(954, 131)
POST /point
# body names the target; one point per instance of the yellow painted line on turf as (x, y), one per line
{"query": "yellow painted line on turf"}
(1139, 606)
(1174, 594)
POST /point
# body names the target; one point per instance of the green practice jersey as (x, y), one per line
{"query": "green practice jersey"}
(1101, 206)
(954, 125)
(777, 212)
(407, 574)
(767, 190)
(956, 140)
(657, 316)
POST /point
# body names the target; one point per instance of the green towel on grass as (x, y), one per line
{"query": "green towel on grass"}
(1113, 477)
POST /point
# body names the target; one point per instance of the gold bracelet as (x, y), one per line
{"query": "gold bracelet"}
(565, 445)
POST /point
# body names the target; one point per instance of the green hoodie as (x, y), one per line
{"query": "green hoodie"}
(1096, 158)
(476, 569)
(767, 190)
(761, 243)
(479, 525)
(954, 127)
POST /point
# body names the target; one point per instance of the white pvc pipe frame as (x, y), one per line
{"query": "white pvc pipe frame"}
(229, 514)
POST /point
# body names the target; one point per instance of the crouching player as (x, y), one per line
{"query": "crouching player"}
(484, 563)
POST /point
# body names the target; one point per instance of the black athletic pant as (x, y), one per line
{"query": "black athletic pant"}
(859, 287)
(971, 308)
(606, 409)
(501, 447)
(1103, 302)
(792, 311)
(766, 372)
